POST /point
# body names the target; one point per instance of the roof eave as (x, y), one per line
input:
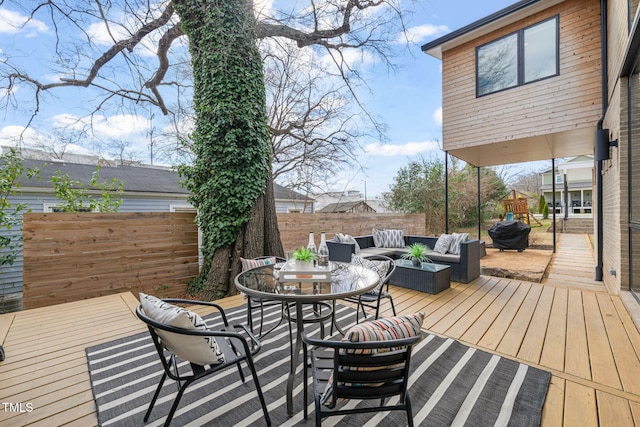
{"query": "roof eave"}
(485, 25)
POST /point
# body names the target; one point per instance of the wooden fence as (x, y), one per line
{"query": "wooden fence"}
(70, 257)
(295, 227)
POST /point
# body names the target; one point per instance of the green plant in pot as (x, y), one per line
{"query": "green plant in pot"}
(303, 258)
(417, 254)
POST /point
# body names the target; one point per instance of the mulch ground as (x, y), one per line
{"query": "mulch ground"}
(529, 264)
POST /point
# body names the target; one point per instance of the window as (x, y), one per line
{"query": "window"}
(526, 56)
(51, 207)
(559, 179)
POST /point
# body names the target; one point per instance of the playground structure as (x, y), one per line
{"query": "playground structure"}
(517, 209)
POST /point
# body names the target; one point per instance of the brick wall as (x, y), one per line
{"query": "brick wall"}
(614, 206)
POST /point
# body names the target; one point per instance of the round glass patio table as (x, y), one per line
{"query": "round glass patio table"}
(347, 280)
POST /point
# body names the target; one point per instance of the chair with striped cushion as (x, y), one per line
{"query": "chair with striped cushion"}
(255, 303)
(371, 362)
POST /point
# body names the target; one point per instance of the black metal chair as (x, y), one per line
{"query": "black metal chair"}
(236, 347)
(382, 372)
(254, 303)
(374, 298)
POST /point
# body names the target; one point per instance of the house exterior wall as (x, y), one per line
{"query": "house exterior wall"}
(565, 102)
(615, 254)
(612, 178)
(294, 206)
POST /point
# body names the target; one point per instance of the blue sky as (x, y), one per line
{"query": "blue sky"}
(408, 100)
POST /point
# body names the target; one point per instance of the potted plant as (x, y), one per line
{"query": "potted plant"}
(417, 254)
(303, 259)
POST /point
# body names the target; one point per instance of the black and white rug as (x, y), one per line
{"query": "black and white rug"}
(451, 384)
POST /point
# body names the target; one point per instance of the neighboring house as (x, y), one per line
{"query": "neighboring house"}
(289, 201)
(146, 189)
(577, 175)
(333, 197)
(550, 79)
(347, 207)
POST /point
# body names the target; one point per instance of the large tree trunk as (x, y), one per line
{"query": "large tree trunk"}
(230, 178)
(260, 236)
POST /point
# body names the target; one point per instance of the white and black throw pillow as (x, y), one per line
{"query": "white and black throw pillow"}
(458, 238)
(195, 349)
(394, 239)
(443, 243)
(380, 267)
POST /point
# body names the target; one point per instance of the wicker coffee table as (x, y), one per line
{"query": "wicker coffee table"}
(429, 277)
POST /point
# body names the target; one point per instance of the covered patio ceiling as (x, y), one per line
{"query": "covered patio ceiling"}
(569, 143)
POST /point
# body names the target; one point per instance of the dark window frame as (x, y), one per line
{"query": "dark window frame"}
(520, 56)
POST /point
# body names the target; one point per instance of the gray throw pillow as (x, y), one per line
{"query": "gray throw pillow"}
(458, 238)
(393, 239)
(443, 243)
(378, 238)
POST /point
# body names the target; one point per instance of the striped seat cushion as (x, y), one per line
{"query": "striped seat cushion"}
(389, 328)
(248, 264)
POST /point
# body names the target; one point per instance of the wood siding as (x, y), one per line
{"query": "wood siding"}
(69, 257)
(566, 102)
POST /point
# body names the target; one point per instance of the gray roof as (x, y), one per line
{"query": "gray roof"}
(283, 193)
(134, 178)
(142, 179)
(342, 206)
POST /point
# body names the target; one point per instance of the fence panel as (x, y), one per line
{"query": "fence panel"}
(74, 256)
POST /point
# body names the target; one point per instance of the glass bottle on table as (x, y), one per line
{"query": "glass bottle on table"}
(323, 251)
(312, 244)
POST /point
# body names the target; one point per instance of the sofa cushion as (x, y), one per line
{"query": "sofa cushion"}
(372, 250)
(393, 238)
(446, 258)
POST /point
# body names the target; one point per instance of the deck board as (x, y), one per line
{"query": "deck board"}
(581, 334)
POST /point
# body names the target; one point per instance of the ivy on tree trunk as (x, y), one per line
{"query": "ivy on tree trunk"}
(230, 179)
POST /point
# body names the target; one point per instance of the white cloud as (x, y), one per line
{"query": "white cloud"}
(420, 33)
(408, 149)
(117, 126)
(13, 22)
(437, 116)
(10, 136)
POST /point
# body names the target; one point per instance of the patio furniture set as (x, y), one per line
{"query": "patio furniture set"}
(460, 264)
(359, 270)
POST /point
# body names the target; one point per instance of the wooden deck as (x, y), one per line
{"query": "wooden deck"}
(580, 333)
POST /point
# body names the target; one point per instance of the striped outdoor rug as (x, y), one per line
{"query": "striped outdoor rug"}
(451, 384)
